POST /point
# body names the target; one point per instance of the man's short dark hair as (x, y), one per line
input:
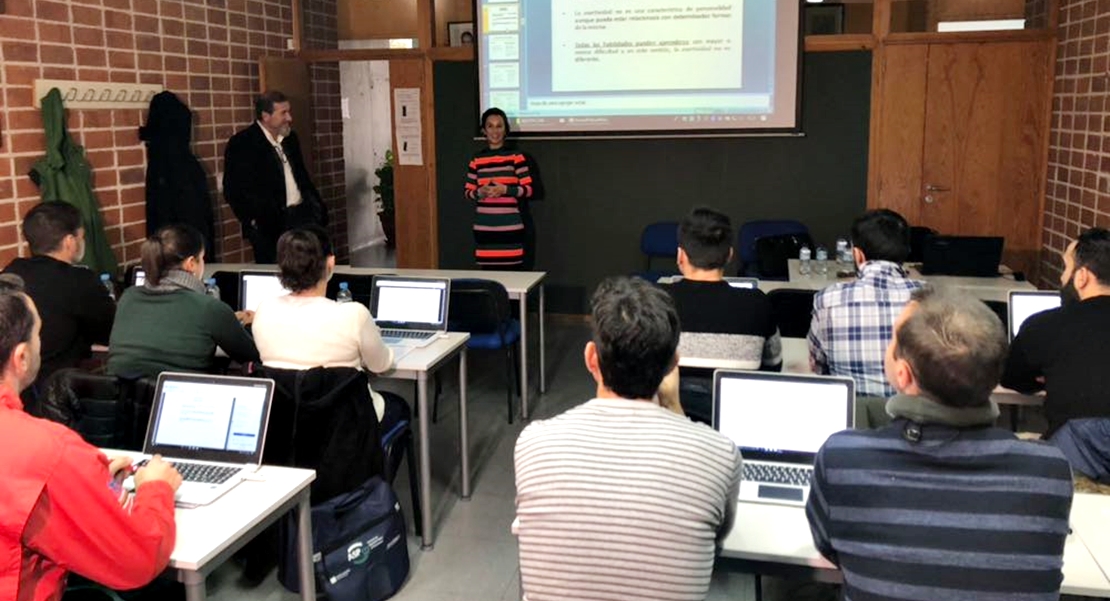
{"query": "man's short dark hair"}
(1092, 250)
(265, 102)
(882, 235)
(302, 255)
(636, 333)
(17, 322)
(955, 345)
(48, 223)
(706, 237)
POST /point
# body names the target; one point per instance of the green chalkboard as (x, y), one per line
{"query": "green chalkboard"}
(601, 193)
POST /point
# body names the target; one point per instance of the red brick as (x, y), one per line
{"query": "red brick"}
(9, 234)
(114, 19)
(121, 59)
(83, 15)
(120, 40)
(124, 76)
(55, 32)
(148, 43)
(13, 28)
(21, 8)
(135, 213)
(132, 196)
(58, 55)
(51, 11)
(62, 73)
(20, 52)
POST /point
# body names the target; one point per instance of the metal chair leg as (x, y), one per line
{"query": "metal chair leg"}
(508, 375)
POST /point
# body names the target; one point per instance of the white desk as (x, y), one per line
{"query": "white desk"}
(207, 536)
(1090, 515)
(417, 365)
(519, 284)
(776, 540)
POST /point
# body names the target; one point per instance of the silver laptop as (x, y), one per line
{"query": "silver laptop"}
(257, 286)
(748, 283)
(410, 311)
(779, 422)
(211, 428)
(138, 277)
(1027, 303)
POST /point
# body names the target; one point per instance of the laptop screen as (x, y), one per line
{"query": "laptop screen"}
(748, 283)
(761, 412)
(255, 287)
(138, 277)
(1024, 305)
(411, 303)
(210, 418)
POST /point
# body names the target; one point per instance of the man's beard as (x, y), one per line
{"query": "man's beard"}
(1068, 294)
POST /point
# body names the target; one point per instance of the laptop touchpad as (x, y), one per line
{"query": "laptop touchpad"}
(781, 493)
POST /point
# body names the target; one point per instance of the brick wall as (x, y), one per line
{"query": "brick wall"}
(205, 51)
(1078, 192)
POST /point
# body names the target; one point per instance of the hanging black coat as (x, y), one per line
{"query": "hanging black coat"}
(176, 185)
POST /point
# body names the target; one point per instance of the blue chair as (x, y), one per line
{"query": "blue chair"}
(752, 231)
(658, 240)
(481, 308)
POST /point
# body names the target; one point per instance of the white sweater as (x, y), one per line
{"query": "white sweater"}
(302, 332)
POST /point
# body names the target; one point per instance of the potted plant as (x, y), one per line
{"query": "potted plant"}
(384, 190)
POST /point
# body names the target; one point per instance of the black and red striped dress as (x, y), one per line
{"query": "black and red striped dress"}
(498, 227)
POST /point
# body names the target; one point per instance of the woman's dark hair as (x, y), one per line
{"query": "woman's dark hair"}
(168, 248)
(492, 112)
(302, 255)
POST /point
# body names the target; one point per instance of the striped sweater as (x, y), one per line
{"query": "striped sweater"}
(622, 499)
(498, 227)
(930, 511)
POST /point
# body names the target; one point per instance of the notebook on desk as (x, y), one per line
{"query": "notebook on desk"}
(779, 422)
(257, 286)
(1027, 303)
(211, 428)
(410, 311)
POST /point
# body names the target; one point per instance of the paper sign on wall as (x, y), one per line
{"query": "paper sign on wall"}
(406, 106)
(409, 132)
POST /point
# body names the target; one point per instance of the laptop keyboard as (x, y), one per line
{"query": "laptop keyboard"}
(202, 472)
(777, 474)
(407, 334)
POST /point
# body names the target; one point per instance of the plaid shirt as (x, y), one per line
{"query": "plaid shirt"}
(854, 322)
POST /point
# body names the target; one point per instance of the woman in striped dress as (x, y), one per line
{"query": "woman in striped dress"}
(497, 181)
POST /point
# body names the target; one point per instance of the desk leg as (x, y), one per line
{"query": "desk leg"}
(425, 460)
(464, 442)
(304, 548)
(543, 359)
(524, 356)
(194, 586)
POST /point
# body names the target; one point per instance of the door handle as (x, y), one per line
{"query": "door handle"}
(934, 188)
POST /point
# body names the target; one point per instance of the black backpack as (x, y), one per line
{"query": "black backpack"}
(772, 252)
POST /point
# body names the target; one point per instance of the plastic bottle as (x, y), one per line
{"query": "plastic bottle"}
(106, 281)
(822, 258)
(804, 266)
(344, 294)
(211, 289)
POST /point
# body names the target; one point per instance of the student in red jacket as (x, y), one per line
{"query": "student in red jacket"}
(60, 507)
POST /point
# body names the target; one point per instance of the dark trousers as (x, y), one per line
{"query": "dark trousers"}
(264, 241)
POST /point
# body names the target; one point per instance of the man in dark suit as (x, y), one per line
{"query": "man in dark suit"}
(265, 180)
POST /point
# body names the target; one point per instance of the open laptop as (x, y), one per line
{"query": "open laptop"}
(211, 428)
(779, 422)
(257, 286)
(410, 311)
(1026, 303)
(748, 283)
(138, 277)
(972, 256)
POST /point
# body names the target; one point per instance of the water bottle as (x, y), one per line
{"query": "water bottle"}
(106, 281)
(211, 289)
(803, 261)
(842, 252)
(344, 295)
(822, 258)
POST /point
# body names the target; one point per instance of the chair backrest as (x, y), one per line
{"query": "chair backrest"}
(323, 419)
(93, 405)
(478, 306)
(793, 311)
(1001, 309)
(360, 286)
(751, 231)
(660, 239)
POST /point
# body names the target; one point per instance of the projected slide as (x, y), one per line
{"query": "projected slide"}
(582, 66)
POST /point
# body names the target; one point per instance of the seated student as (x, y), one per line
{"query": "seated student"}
(60, 509)
(718, 321)
(940, 504)
(305, 329)
(853, 322)
(169, 323)
(75, 307)
(599, 513)
(1066, 352)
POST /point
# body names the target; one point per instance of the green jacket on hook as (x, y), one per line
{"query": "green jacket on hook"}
(64, 174)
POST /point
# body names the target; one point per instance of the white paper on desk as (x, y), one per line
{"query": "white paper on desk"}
(346, 105)
(406, 107)
(409, 151)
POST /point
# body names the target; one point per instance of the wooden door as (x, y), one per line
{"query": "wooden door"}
(290, 76)
(901, 130)
(985, 122)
